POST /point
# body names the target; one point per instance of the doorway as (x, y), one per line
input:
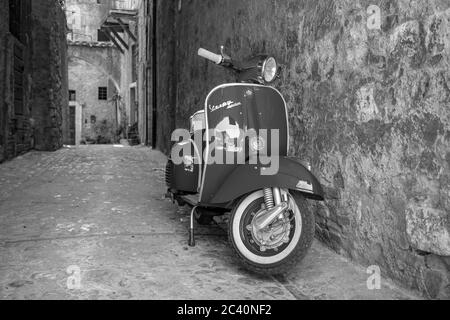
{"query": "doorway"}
(72, 125)
(134, 110)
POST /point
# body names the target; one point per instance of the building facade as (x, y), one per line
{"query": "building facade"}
(154, 65)
(103, 54)
(33, 76)
(94, 74)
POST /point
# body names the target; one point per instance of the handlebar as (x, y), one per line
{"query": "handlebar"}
(247, 71)
(216, 58)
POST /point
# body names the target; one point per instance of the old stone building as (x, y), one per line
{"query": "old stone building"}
(367, 85)
(121, 25)
(103, 52)
(33, 76)
(94, 74)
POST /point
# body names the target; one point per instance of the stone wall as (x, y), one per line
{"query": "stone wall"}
(129, 79)
(4, 22)
(142, 71)
(38, 123)
(59, 77)
(370, 107)
(168, 78)
(145, 70)
(50, 78)
(15, 127)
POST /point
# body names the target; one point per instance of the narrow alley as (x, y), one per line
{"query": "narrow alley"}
(313, 137)
(99, 212)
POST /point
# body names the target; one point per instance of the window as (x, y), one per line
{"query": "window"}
(101, 36)
(72, 95)
(93, 119)
(102, 93)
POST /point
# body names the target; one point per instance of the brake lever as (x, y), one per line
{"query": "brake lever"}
(226, 57)
(228, 62)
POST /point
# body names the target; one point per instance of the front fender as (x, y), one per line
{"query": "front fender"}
(292, 175)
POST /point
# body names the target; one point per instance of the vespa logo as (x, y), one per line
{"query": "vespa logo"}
(229, 105)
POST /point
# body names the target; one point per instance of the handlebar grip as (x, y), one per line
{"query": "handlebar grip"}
(216, 58)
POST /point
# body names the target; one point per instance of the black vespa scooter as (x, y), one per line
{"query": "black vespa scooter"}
(270, 227)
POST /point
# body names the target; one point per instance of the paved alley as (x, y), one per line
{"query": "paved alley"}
(97, 214)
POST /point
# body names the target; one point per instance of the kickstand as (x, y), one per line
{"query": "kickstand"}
(191, 229)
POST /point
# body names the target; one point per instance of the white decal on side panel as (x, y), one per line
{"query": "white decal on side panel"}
(305, 186)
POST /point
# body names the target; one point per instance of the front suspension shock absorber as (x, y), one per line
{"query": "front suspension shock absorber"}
(277, 196)
(268, 198)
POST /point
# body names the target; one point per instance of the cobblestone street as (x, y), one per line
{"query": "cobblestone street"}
(101, 209)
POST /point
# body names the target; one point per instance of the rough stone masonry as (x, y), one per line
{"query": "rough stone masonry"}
(33, 77)
(370, 107)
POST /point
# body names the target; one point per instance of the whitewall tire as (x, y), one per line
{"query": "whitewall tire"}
(282, 256)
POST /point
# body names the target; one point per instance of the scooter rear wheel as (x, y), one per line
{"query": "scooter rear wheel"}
(271, 252)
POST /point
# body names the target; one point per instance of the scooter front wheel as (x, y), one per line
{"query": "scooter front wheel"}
(279, 247)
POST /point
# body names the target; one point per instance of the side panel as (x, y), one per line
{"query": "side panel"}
(185, 177)
(292, 175)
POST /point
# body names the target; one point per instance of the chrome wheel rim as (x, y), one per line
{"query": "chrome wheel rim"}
(249, 243)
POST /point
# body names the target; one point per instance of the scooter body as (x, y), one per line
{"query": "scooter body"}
(242, 108)
(238, 150)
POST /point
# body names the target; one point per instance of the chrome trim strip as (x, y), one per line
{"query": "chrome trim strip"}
(200, 157)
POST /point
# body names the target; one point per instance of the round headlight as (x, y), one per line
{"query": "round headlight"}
(269, 69)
